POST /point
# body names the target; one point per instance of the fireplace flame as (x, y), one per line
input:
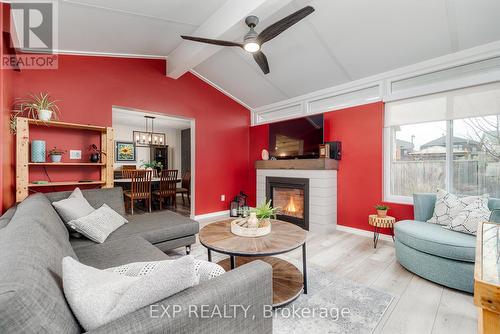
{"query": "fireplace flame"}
(291, 205)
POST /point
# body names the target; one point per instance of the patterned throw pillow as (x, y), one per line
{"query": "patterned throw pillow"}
(448, 206)
(473, 214)
(97, 297)
(204, 270)
(98, 225)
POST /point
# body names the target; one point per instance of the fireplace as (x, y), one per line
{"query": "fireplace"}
(291, 196)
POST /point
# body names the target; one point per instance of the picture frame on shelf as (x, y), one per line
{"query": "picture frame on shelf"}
(125, 151)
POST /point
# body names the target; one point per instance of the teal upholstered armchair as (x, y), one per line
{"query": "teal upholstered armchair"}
(435, 253)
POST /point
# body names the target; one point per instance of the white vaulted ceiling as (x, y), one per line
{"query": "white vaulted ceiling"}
(343, 40)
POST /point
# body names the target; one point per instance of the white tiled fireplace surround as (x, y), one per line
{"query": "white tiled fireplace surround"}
(322, 194)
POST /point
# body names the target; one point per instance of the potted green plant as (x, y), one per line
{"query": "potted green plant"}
(152, 165)
(56, 154)
(264, 212)
(36, 106)
(95, 153)
(39, 106)
(381, 210)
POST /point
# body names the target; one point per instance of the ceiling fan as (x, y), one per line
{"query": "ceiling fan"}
(252, 42)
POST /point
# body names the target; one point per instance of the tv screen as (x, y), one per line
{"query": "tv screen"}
(297, 138)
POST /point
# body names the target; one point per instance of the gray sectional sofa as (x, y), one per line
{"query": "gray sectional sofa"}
(33, 241)
(433, 252)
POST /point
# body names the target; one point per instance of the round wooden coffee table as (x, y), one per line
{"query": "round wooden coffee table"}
(288, 281)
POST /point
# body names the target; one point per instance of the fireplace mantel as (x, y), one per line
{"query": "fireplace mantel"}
(309, 164)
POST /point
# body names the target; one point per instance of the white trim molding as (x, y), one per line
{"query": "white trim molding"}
(211, 216)
(471, 67)
(363, 233)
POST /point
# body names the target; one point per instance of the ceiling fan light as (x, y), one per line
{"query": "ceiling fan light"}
(251, 47)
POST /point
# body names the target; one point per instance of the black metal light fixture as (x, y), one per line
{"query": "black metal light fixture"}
(148, 137)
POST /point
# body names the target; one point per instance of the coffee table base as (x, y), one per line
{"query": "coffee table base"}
(287, 279)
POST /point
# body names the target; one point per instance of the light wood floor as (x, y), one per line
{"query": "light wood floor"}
(419, 306)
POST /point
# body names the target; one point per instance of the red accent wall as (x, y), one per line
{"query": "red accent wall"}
(88, 87)
(7, 154)
(359, 178)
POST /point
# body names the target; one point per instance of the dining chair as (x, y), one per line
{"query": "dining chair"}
(126, 171)
(168, 181)
(185, 186)
(140, 188)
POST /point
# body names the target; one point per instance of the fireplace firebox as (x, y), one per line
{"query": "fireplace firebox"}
(291, 197)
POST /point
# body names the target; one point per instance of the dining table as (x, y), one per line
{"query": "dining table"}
(153, 180)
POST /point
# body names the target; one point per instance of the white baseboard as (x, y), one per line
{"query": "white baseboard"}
(363, 233)
(211, 216)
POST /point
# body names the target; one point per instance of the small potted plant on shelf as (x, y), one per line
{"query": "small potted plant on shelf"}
(56, 154)
(95, 153)
(381, 210)
(36, 106)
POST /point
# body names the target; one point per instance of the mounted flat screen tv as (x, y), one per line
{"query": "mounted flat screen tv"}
(296, 138)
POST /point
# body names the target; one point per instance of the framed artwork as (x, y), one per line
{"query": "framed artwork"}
(125, 151)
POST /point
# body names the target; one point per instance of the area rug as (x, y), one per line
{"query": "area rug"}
(328, 296)
(340, 306)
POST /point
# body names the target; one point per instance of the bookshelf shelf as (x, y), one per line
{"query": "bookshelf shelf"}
(64, 183)
(66, 163)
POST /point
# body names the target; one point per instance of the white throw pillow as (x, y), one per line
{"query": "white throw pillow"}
(98, 225)
(448, 206)
(467, 220)
(205, 270)
(73, 207)
(97, 297)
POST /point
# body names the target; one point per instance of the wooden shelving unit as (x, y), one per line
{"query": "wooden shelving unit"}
(66, 163)
(64, 183)
(23, 165)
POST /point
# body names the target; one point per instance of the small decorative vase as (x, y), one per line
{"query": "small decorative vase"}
(253, 222)
(265, 154)
(56, 157)
(38, 151)
(381, 213)
(44, 115)
(95, 157)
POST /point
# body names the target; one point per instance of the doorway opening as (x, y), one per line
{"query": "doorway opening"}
(160, 142)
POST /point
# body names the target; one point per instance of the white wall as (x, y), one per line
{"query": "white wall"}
(124, 133)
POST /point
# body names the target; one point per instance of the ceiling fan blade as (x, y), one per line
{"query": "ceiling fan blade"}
(261, 60)
(277, 28)
(212, 41)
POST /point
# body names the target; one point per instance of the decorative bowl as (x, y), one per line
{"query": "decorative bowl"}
(238, 228)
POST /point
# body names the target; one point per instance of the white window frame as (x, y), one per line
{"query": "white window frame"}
(386, 165)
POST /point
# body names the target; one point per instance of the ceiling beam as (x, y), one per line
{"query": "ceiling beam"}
(218, 26)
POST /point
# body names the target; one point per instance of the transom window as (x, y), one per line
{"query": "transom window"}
(461, 155)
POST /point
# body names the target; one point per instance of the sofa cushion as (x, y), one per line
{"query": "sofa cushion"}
(119, 252)
(99, 224)
(113, 197)
(98, 296)
(436, 240)
(5, 218)
(155, 227)
(32, 247)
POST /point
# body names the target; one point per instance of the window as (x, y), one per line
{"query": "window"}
(429, 144)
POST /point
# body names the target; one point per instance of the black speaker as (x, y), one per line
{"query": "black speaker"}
(335, 149)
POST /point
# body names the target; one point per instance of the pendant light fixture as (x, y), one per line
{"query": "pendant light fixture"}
(148, 137)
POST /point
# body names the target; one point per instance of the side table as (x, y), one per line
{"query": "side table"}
(378, 223)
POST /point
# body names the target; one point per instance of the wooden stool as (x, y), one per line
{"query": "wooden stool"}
(381, 222)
